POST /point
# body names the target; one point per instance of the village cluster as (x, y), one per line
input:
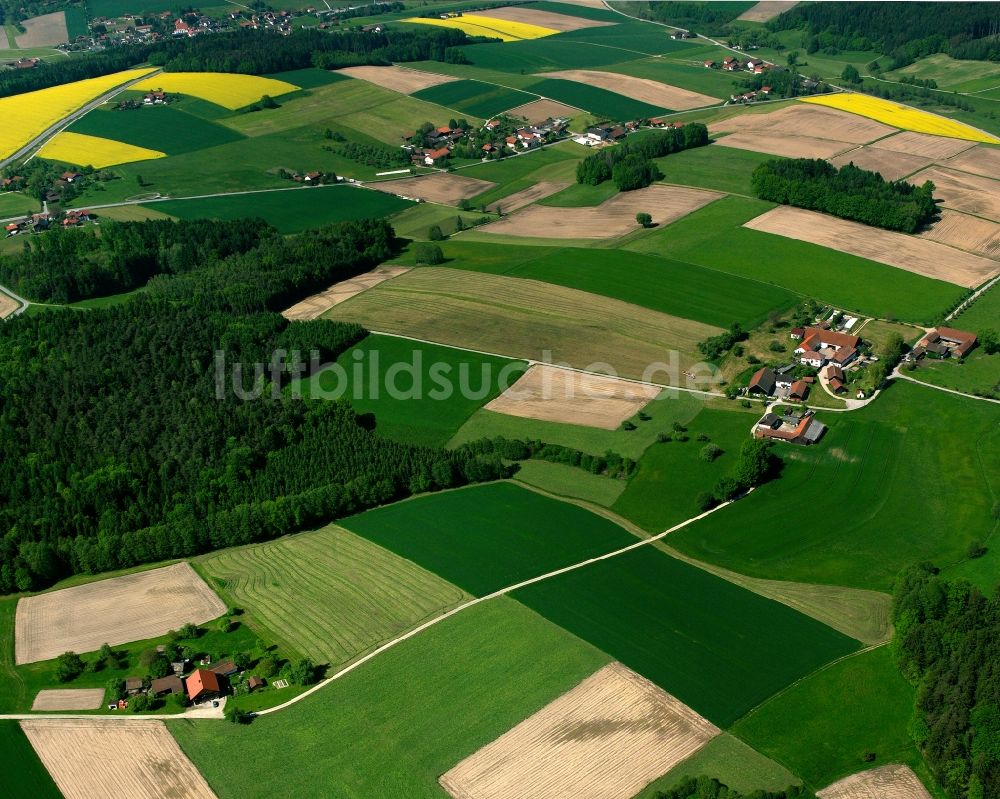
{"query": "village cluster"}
(503, 135)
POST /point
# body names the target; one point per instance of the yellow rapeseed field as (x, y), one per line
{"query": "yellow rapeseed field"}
(480, 25)
(25, 116)
(901, 116)
(83, 150)
(222, 88)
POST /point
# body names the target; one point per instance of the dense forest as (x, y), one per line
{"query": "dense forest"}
(959, 29)
(709, 18)
(848, 192)
(115, 448)
(709, 788)
(630, 163)
(947, 644)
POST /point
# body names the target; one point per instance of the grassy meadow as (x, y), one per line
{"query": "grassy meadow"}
(475, 97)
(597, 101)
(22, 774)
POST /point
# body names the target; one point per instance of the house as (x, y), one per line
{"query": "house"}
(797, 333)
(493, 124)
(154, 98)
(810, 358)
(70, 177)
(799, 390)
(371, 28)
(133, 685)
(616, 133)
(730, 64)
(167, 685)
(26, 63)
(597, 134)
(181, 28)
(682, 35)
(254, 683)
(223, 668)
(765, 90)
(753, 62)
(312, 177)
(709, 64)
(820, 344)
(794, 429)
(832, 372)
(202, 684)
(488, 148)
(842, 357)
(431, 157)
(947, 341)
(762, 382)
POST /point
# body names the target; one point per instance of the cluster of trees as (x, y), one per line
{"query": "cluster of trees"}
(67, 70)
(755, 465)
(40, 176)
(708, 18)
(848, 192)
(116, 448)
(715, 347)
(633, 158)
(947, 643)
(610, 463)
(916, 95)
(369, 11)
(955, 28)
(784, 83)
(75, 264)
(710, 788)
(375, 154)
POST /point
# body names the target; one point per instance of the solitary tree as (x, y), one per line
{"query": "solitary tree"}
(434, 233)
(429, 254)
(69, 666)
(644, 219)
(850, 74)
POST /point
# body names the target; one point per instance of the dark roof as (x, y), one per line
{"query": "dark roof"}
(172, 684)
(799, 388)
(814, 431)
(763, 380)
(769, 420)
(223, 667)
(132, 683)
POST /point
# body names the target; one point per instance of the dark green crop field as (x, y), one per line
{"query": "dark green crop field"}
(22, 775)
(597, 101)
(717, 647)
(545, 55)
(487, 537)
(475, 97)
(164, 128)
(310, 78)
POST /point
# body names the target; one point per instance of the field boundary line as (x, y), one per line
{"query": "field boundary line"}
(901, 376)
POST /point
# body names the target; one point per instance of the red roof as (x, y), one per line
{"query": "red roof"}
(799, 389)
(200, 681)
(444, 129)
(441, 152)
(831, 338)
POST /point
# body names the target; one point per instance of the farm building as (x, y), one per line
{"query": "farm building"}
(254, 683)
(763, 382)
(133, 685)
(795, 429)
(943, 342)
(819, 346)
(203, 684)
(171, 684)
(224, 668)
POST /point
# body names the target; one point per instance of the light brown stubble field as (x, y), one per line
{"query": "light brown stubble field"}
(890, 164)
(980, 160)
(441, 187)
(399, 79)
(7, 306)
(44, 31)
(115, 611)
(925, 144)
(69, 699)
(765, 10)
(126, 759)
(314, 306)
(785, 145)
(960, 191)
(608, 737)
(886, 782)
(643, 89)
(539, 110)
(966, 232)
(545, 19)
(517, 200)
(806, 120)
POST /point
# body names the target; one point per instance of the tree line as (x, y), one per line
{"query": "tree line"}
(849, 192)
(947, 643)
(610, 464)
(630, 165)
(115, 449)
(710, 788)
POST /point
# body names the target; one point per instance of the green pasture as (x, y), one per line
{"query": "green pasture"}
(487, 537)
(309, 78)
(713, 236)
(570, 482)
(690, 74)
(979, 373)
(22, 774)
(715, 646)
(290, 211)
(475, 97)
(418, 392)
(14, 203)
(597, 101)
(572, 10)
(719, 168)
(118, 8)
(581, 195)
(984, 313)
(168, 129)
(393, 727)
(546, 55)
(639, 38)
(898, 486)
(952, 74)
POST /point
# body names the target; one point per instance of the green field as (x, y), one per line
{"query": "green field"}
(475, 97)
(720, 168)
(76, 22)
(290, 211)
(545, 55)
(952, 74)
(715, 646)
(712, 236)
(487, 537)
(690, 74)
(822, 727)
(393, 727)
(327, 595)
(982, 314)
(309, 78)
(872, 520)
(14, 203)
(168, 129)
(410, 403)
(581, 195)
(597, 101)
(634, 37)
(570, 482)
(22, 775)
(979, 373)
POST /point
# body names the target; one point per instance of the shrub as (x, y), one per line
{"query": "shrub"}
(645, 220)
(69, 666)
(705, 501)
(975, 550)
(434, 233)
(663, 438)
(429, 254)
(710, 452)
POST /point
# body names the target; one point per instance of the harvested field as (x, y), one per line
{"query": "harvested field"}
(806, 120)
(890, 164)
(93, 759)
(765, 10)
(642, 89)
(561, 395)
(440, 187)
(545, 19)
(961, 191)
(524, 318)
(784, 145)
(886, 782)
(924, 144)
(314, 306)
(610, 736)
(69, 699)
(7, 306)
(115, 611)
(978, 160)
(540, 110)
(44, 31)
(966, 233)
(399, 79)
(513, 202)
(914, 254)
(612, 218)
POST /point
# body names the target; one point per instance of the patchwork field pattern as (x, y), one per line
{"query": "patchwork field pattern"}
(228, 89)
(979, 160)
(972, 194)
(441, 187)
(545, 19)
(69, 699)
(314, 306)
(329, 595)
(524, 319)
(924, 144)
(85, 758)
(609, 736)
(83, 150)
(562, 395)
(39, 110)
(115, 611)
(787, 146)
(479, 25)
(919, 255)
(44, 31)
(966, 233)
(886, 782)
(643, 89)
(614, 217)
(901, 116)
(595, 99)
(890, 164)
(540, 110)
(475, 97)
(399, 79)
(516, 201)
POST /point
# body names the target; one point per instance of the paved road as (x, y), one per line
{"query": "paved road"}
(972, 298)
(22, 303)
